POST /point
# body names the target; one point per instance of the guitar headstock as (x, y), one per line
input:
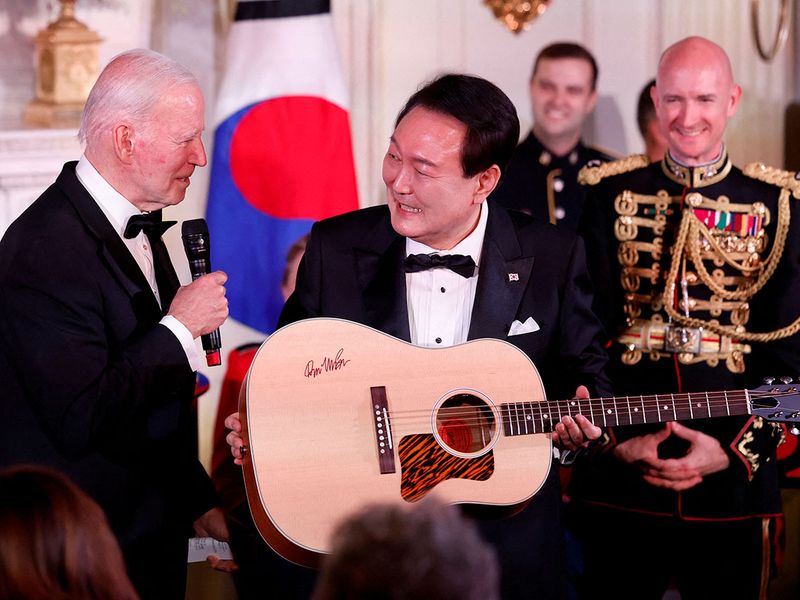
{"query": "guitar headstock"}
(778, 401)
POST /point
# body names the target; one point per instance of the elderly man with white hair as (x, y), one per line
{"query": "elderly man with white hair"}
(98, 353)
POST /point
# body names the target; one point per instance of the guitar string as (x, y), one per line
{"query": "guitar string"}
(551, 419)
(651, 402)
(650, 405)
(601, 405)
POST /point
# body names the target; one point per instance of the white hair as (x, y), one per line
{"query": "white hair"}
(128, 89)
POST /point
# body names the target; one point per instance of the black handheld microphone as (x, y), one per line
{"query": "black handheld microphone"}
(198, 252)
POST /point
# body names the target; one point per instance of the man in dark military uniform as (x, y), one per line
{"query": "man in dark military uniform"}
(542, 177)
(697, 271)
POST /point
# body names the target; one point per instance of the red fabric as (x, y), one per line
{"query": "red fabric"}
(239, 361)
(788, 454)
(274, 143)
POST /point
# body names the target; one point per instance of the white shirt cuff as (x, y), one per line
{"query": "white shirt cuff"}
(185, 338)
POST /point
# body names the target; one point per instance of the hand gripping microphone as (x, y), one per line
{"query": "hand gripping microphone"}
(198, 252)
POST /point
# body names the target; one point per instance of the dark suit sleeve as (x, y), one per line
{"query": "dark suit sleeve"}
(87, 390)
(582, 357)
(597, 230)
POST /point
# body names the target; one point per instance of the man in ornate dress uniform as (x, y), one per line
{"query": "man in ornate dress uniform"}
(697, 270)
(542, 177)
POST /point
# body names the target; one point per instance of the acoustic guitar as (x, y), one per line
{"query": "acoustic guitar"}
(336, 415)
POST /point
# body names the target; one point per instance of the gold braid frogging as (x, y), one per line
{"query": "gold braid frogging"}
(690, 225)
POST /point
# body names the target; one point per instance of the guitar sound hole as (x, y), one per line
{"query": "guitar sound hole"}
(465, 424)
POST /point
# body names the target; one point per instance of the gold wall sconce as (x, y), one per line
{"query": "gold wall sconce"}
(781, 32)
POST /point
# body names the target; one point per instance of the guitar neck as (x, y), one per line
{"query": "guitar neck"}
(525, 418)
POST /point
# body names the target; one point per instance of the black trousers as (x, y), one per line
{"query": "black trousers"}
(530, 546)
(634, 556)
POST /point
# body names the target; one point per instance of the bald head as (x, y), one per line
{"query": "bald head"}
(694, 97)
(694, 52)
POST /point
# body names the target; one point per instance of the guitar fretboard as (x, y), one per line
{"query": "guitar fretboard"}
(524, 418)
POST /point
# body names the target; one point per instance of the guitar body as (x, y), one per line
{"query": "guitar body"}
(337, 415)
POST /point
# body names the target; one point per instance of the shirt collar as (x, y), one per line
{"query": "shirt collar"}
(698, 175)
(113, 204)
(471, 245)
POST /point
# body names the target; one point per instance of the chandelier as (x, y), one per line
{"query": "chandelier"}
(517, 15)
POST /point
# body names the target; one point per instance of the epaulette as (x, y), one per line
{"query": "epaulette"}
(592, 174)
(785, 179)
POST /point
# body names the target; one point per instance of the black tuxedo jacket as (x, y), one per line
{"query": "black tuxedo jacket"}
(92, 384)
(352, 269)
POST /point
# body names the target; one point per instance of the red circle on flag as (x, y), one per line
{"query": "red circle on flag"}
(292, 158)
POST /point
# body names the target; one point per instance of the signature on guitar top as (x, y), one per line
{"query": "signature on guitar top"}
(337, 414)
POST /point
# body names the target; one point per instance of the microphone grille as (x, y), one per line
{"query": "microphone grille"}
(194, 227)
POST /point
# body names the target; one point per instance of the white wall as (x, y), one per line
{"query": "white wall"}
(390, 46)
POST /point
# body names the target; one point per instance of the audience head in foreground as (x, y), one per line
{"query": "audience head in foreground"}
(398, 552)
(57, 544)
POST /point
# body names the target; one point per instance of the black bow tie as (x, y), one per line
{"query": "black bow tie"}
(150, 223)
(458, 263)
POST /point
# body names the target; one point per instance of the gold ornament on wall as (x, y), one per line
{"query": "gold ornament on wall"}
(781, 32)
(517, 15)
(67, 60)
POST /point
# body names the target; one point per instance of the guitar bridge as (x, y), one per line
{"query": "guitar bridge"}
(383, 429)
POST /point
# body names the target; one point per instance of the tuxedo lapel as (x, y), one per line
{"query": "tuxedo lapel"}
(503, 276)
(111, 248)
(379, 264)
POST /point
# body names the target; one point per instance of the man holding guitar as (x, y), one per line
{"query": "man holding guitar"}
(439, 266)
(700, 285)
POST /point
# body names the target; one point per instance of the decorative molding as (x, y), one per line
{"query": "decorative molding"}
(37, 142)
(30, 160)
(28, 180)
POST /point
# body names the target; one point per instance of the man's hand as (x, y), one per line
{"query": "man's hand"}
(201, 306)
(705, 456)
(572, 434)
(234, 438)
(213, 524)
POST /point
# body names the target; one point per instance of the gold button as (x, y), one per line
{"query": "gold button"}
(694, 199)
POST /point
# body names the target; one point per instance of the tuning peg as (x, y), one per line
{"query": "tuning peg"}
(794, 430)
(786, 379)
(769, 380)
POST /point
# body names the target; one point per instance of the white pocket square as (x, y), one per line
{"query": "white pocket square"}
(518, 328)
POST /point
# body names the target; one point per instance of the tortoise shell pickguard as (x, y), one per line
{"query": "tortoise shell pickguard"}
(424, 464)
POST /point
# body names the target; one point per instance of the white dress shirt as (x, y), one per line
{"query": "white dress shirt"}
(118, 210)
(439, 300)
